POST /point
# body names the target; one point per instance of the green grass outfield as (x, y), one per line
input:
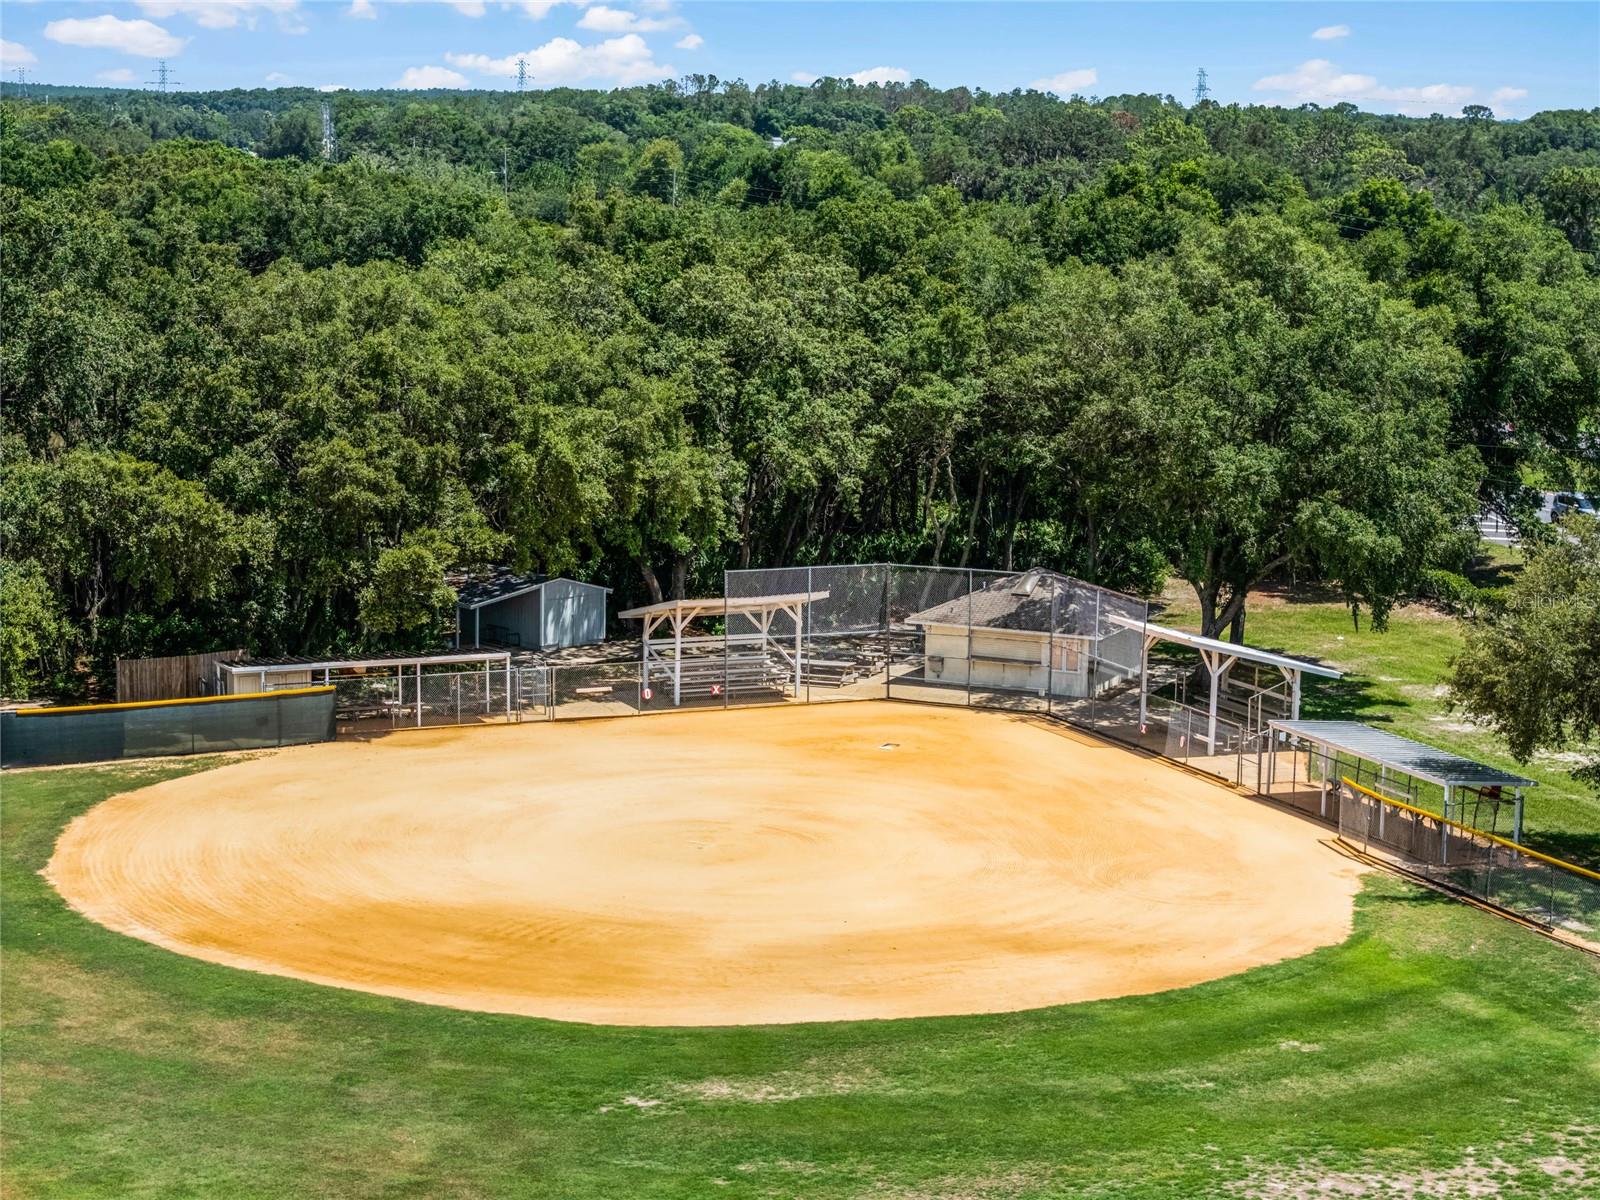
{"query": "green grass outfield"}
(1438, 1047)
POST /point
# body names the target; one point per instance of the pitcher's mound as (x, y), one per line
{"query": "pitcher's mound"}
(780, 864)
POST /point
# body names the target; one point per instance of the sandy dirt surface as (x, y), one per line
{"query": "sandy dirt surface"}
(777, 864)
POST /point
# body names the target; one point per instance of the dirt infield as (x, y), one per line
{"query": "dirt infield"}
(778, 864)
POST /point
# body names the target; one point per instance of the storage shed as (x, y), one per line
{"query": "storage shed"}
(1032, 632)
(530, 612)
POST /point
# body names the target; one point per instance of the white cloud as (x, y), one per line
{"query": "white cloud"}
(619, 60)
(467, 8)
(431, 77)
(278, 77)
(602, 19)
(880, 75)
(692, 41)
(870, 75)
(1318, 81)
(226, 14)
(362, 10)
(116, 75)
(1506, 95)
(536, 10)
(15, 54)
(331, 87)
(1331, 33)
(112, 33)
(1068, 82)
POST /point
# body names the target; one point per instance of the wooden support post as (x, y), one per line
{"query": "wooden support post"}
(677, 657)
(1144, 681)
(798, 643)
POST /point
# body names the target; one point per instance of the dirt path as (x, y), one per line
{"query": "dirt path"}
(781, 864)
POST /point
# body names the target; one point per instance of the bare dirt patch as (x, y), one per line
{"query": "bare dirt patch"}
(771, 865)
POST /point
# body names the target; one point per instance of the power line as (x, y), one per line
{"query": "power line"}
(330, 145)
(163, 78)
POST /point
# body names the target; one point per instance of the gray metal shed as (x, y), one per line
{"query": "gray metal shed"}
(533, 612)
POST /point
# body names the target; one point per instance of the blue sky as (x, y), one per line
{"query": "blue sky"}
(1386, 57)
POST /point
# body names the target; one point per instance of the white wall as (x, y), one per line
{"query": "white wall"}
(1022, 656)
(236, 683)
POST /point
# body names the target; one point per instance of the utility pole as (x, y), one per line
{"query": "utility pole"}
(674, 187)
(163, 78)
(330, 146)
(522, 74)
(505, 172)
(1201, 88)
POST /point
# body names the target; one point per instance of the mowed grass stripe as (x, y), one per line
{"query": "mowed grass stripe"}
(1437, 1044)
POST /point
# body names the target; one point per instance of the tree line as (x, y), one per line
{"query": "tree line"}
(255, 395)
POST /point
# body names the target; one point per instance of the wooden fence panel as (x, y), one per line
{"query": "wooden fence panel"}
(173, 678)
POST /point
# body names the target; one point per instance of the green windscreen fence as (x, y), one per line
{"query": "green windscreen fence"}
(101, 733)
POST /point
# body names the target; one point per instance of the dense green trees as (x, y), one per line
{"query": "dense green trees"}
(254, 398)
(1531, 665)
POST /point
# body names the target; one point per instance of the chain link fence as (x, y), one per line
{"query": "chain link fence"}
(1473, 861)
(381, 702)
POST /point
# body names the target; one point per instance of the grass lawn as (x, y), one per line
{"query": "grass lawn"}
(1395, 679)
(1438, 1047)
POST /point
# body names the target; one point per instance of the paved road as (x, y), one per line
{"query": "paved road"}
(1492, 529)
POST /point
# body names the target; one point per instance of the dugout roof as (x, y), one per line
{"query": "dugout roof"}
(1402, 754)
(254, 666)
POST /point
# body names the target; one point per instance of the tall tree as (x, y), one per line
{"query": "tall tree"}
(1530, 667)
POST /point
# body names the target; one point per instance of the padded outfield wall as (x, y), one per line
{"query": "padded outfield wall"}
(36, 737)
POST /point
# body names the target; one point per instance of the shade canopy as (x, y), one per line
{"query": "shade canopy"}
(1243, 653)
(710, 606)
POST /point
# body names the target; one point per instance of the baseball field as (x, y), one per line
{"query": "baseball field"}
(1267, 1022)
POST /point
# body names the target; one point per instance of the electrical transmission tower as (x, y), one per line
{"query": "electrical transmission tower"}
(1201, 88)
(330, 146)
(22, 82)
(163, 79)
(522, 74)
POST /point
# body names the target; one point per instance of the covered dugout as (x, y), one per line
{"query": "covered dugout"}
(1309, 758)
